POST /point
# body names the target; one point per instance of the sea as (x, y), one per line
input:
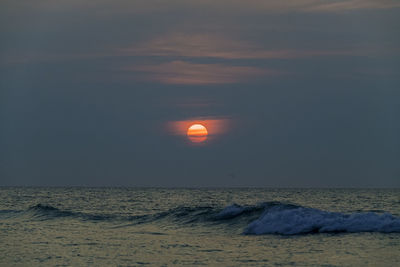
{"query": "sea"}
(82, 226)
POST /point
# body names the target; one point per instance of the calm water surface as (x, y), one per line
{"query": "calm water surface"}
(225, 227)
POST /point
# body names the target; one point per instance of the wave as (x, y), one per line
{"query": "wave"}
(264, 218)
(181, 215)
(45, 212)
(48, 212)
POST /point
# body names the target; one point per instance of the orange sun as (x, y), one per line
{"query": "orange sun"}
(197, 133)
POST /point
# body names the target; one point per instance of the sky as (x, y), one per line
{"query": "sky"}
(301, 93)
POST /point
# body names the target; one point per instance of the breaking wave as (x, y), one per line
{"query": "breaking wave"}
(303, 220)
(264, 218)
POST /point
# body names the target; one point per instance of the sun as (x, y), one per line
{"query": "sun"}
(197, 133)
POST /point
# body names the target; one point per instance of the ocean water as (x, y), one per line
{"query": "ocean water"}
(224, 227)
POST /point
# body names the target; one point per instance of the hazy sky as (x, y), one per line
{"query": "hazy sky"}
(300, 93)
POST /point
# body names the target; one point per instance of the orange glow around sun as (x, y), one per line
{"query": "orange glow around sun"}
(199, 130)
(197, 133)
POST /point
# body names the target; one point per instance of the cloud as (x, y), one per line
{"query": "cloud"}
(183, 48)
(196, 45)
(105, 7)
(341, 5)
(180, 72)
(321, 5)
(214, 46)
